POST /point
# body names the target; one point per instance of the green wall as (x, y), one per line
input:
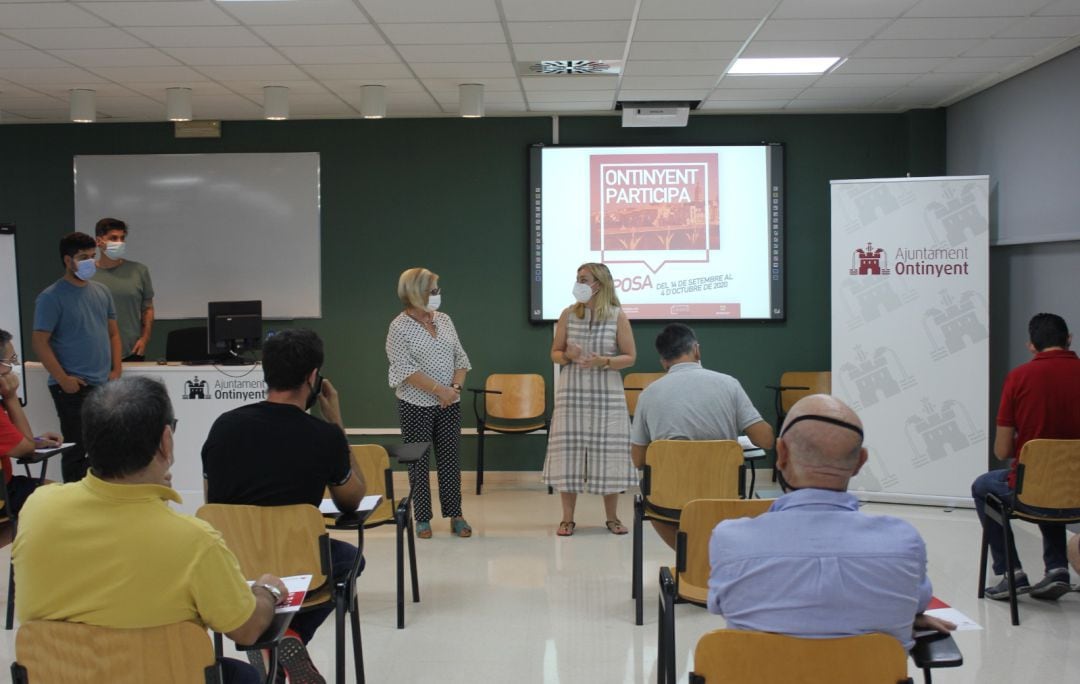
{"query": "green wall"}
(450, 194)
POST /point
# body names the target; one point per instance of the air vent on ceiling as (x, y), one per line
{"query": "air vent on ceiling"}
(571, 67)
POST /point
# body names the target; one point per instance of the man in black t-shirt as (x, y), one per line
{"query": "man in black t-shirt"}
(275, 454)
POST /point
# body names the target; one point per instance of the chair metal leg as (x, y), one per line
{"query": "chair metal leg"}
(11, 596)
(271, 674)
(339, 633)
(219, 645)
(479, 458)
(638, 561)
(412, 559)
(358, 647)
(927, 677)
(400, 557)
(665, 659)
(982, 563)
(661, 648)
(1006, 529)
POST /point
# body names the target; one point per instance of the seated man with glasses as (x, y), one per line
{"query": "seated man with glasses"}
(16, 438)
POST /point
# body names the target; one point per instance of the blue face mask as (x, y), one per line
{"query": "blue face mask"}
(85, 269)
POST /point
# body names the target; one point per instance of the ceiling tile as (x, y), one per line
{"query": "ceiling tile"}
(568, 107)
(358, 54)
(320, 35)
(705, 9)
(916, 48)
(150, 74)
(839, 9)
(835, 80)
(277, 72)
(569, 31)
(255, 88)
(668, 82)
(607, 95)
(740, 81)
(206, 36)
(134, 107)
(744, 105)
(199, 13)
(975, 8)
(491, 85)
(350, 88)
(455, 53)
(17, 59)
(662, 95)
(75, 38)
(227, 56)
(567, 10)
(825, 106)
(978, 64)
(450, 97)
(45, 15)
(1010, 47)
(898, 65)
(848, 95)
(641, 67)
(34, 77)
(954, 80)
(357, 71)
(444, 33)
(723, 50)
(755, 93)
(226, 107)
(800, 48)
(530, 52)
(115, 57)
(385, 11)
(463, 69)
(681, 31)
(945, 28)
(297, 13)
(1061, 8)
(819, 29)
(61, 88)
(568, 83)
(318, 106)
(156, 89)
(1042, 27)
(10, 91)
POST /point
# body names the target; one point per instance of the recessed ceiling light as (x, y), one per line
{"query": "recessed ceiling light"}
(783, 65)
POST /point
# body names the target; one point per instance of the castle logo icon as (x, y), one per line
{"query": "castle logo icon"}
(869, 261)
(195, 389)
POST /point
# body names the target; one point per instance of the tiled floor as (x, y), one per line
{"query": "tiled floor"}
(517, 604)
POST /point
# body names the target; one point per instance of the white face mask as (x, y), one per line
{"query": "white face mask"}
(85, 269)
(582, 292)
(433, 302)
(115, 250)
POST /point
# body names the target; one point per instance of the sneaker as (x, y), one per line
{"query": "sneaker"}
(1053, 586)
(1000, 591)
(257, 660)
(294, 658)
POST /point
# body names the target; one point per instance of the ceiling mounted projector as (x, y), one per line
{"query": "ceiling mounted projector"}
(654, 114)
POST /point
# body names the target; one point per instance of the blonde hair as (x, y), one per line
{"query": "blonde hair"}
(606, 299)
(413, 286)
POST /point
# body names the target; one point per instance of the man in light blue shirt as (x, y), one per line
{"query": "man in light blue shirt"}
(814, 566)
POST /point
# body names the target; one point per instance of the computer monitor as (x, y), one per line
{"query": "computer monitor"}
(233, 328)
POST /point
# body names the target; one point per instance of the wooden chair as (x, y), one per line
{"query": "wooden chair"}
(291, 540)
(514, 403)
(794, 385)
(373, 462)
(726, 655)
(690, 580)
(634, 384)
(675, 473)
(1047, 490)
(50, 652)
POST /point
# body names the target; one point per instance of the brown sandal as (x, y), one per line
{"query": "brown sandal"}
(566, 529)
(616, 527)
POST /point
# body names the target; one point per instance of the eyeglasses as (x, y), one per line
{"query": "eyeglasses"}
(436, 290)
(10, 362)
(172, 424)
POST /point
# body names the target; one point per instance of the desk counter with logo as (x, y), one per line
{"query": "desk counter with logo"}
(199, 394)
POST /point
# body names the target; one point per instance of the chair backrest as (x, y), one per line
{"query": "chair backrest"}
(373, 463)
(74, 653)
(696, 524)
(1049, 473)
(280, 540)
(819, 382)
(521, 396)
(187, 344)
(633, 384)
(726, 655)
(682, 470)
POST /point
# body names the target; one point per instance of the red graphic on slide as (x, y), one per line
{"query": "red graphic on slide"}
(654, 203)
(869, 261)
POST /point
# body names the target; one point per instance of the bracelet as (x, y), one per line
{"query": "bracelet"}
(434, 386)
(275, 593)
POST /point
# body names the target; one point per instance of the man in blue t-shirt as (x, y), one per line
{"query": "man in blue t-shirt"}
(77, 340)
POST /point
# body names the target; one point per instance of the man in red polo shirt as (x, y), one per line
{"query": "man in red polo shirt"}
(1040, 400)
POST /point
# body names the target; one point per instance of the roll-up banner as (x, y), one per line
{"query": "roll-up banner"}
(911, 332)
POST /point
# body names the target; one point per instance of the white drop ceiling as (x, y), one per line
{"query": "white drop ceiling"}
(898, 54)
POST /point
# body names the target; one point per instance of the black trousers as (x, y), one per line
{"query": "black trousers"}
(73, 464)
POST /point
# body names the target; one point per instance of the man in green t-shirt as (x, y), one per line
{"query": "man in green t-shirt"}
(129, 282)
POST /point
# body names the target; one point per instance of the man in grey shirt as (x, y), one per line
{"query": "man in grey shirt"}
(691, 402)
(130, 285)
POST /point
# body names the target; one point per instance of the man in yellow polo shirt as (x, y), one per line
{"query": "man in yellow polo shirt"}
(109, 551)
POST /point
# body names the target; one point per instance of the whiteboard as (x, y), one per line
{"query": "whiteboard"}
(213, 227)
(9, 295)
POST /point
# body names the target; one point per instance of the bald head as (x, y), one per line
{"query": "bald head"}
(818, 446)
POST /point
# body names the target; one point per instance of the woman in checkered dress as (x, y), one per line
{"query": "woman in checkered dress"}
(589, 443)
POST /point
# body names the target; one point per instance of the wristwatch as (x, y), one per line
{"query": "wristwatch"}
(456, 385)
(275, 593)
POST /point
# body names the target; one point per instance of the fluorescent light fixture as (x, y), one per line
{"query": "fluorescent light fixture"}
(783, 65)
(276, 103)
(178, 104)
(83, 109)
(471, 100)
(373, 101)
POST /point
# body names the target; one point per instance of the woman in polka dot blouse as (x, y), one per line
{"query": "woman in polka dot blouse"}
(427, 367)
